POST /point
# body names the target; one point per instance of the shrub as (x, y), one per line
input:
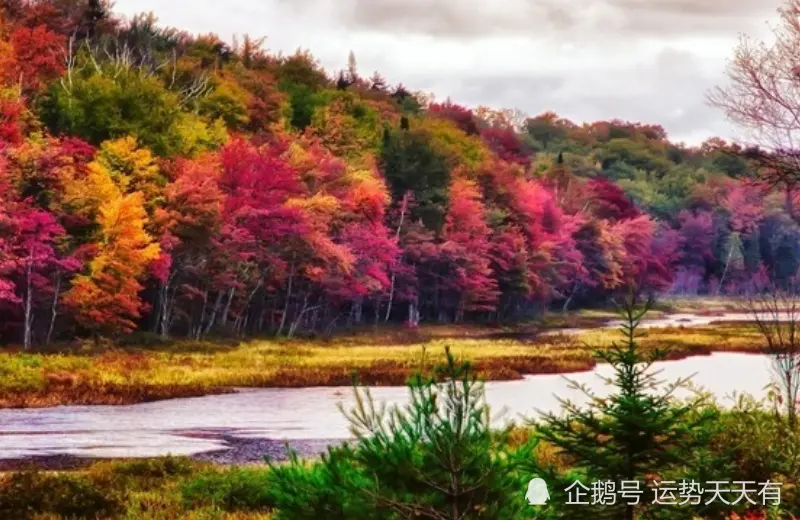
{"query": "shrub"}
(758, 443)
(103, 105)
(162, 468)
(334, 489)
(26, 495)
(144, 339)
(239, 489)
(144, 475)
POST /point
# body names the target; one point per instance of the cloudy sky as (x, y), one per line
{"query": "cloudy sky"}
(643, 60)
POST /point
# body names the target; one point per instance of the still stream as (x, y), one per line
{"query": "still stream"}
(243, 426)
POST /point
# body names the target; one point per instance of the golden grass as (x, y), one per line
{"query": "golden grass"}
(591, 317)
(120, 376)
(683, 341)
(130, 375)
(699, 304)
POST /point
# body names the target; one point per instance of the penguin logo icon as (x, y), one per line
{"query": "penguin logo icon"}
(537, 494)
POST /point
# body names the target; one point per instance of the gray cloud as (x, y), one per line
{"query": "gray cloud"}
(643, 60)
(599, 19)
(669, 90)
(716, 8)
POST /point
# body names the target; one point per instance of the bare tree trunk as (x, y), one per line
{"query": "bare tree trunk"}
(391, 299)
(459, 315)
(413, 314)
(329, 326)
(288, 300)
(261, 316)
(156, 324)
(214, 311)
(199, 331)
(299, 318)
(165, 315)
(572, 294)
(397, 239)
(238, 324)
(228, 307)
(724, 272)
(28, 304)
(54, 309)
(315, 320)
(728, 261)
(163, 319)
(776, 314)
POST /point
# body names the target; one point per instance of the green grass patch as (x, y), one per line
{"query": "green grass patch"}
(169, 488)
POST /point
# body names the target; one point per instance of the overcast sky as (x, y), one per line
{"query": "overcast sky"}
(643, 60)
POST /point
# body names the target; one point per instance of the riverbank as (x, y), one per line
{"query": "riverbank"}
(240, 428)
(131, 375)
(230, 485)
(146, 369)
(134, 374)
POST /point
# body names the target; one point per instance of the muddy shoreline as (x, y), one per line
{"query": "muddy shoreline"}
(238, 451)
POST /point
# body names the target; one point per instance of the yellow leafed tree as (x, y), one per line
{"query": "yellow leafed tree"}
(106, 299)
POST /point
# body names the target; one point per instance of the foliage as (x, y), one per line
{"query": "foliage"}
(101, 104)
(107, 298)
(157, 183)
(334, 487)
(438, 458)
(410, 163)
(36, 57)
(27, 494)
(747, 442)
(755, 441)
(636, 431)
(285, 200)
(233, 490)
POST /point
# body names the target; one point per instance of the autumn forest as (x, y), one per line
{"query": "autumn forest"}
(160, 181)
(203, 239)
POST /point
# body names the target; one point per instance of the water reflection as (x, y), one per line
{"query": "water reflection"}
(190, 426)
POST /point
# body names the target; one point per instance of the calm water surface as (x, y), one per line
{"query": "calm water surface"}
(197, 425)
(192, 426)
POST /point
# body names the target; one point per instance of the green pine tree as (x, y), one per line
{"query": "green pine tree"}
(435, 459)
(637, 432)
(95, 13)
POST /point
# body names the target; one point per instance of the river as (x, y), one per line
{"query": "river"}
(242, 426)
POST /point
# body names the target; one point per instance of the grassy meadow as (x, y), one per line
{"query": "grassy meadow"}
(151, 370)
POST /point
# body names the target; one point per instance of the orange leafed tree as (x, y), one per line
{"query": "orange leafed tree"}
(106, 299)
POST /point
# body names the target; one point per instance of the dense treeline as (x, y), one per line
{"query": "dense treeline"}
(156, 180)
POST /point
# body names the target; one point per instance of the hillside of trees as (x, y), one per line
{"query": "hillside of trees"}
(156, 180)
